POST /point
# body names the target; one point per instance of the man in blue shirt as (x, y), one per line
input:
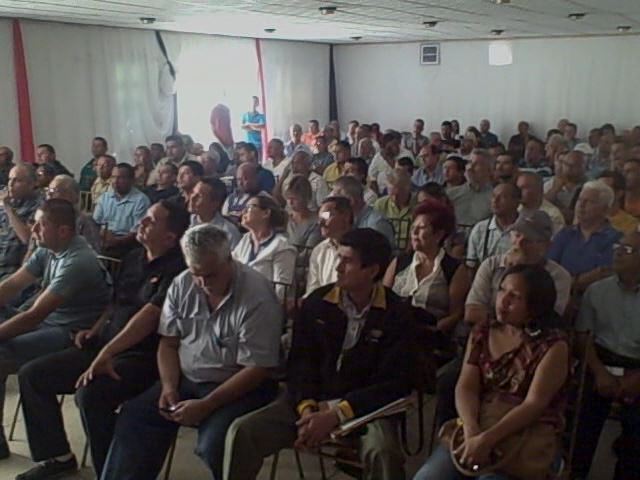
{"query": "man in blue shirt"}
(119, 211)
(254, 122)
(75, 291)
(585, 249)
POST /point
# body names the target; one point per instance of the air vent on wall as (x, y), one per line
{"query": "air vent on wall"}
(430, 54)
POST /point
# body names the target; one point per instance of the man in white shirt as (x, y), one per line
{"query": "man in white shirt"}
(384, 162)
(367, 148)
(336, 218)
(276, 160)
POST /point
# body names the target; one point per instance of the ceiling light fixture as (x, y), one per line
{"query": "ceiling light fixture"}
(430, 24)
(269, 30)
(623, 28)
(576, 16)
(497, 32)
(328, 10)
(502, 2)
(147, 20)
(356, 38)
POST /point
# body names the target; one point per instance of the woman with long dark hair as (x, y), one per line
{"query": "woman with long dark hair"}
(511, 384)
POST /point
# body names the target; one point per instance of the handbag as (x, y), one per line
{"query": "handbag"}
(524, 455)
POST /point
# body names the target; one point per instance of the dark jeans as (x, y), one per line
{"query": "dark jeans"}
(41, 380)
(99, 400)
(595, 410)
(143, 437)
(446, 391)
(22, 349)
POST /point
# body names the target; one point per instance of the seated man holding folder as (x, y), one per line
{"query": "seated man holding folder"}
(349, 357)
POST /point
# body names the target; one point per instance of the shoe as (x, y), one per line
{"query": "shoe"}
(50, 469)
(4, 446)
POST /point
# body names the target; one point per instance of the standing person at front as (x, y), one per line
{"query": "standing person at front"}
(254, 123)
(220, 335)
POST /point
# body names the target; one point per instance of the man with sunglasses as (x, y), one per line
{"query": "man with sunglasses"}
(609, 311)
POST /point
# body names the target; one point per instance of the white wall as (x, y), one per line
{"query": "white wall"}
(589, 80)
(296, 84)
(9, 129)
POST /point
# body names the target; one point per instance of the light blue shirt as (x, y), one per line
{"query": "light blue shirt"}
(233, 234)
(422, 177)
(243, 331)
(254, 136)
(121, 214)
(78, 277)
(471, 205)
(611, 313)
(486, 240)
(370, 218)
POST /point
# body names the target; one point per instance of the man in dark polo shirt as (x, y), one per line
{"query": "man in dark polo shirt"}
(119, 355)
(349, 357)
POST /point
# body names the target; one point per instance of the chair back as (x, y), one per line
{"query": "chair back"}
(577, 377)
(112, 265)
(86, 202)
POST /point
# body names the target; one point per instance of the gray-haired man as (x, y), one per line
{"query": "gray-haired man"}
(220, 334)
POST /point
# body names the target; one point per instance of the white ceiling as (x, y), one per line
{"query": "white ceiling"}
(373, 20)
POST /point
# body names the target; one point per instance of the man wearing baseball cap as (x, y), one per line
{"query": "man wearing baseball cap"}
(530, 240)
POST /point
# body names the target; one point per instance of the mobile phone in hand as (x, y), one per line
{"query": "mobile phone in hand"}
(170, 409)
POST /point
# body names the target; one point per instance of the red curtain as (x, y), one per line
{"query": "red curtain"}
(24, 104)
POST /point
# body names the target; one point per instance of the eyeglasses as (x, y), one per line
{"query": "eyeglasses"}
(626, 249)
(53, 191)
(251, 206)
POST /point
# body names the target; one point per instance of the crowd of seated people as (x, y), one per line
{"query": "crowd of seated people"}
(375, 248)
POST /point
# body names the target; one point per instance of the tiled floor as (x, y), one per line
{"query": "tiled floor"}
(187, 467)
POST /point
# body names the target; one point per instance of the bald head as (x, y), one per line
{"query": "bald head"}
(64, 187)
(247, 178)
